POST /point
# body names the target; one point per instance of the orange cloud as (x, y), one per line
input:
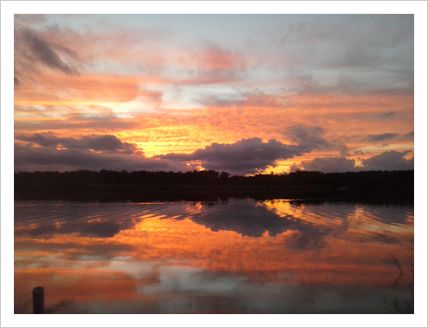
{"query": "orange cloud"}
(134, 107)
(57, 89)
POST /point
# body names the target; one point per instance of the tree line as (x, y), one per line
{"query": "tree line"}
(104, 185)
(207, 177)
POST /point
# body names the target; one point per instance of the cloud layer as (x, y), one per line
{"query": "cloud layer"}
(107, 151)
(387, 161)
(243, 93)
(94, 152)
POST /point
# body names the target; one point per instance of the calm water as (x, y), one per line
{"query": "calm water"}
(240, 256)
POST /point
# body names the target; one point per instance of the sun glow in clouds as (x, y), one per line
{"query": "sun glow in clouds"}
(332, 93)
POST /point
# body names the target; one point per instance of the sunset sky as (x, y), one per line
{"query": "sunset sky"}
(236, 93)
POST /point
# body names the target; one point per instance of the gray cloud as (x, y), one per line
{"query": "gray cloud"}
(390, 160)
(29, 19)
(409, 136)
(387, 161)
(109, 152)
(246, 155)
(390, 136)
(382, 136)
(327, 164)
(251, 155)
(254, 98)
(343, 52)
(32, 52)
(46, 52)
(104, 143)
(104, 121)
(49, 159)
(307, 138)
(94, 152)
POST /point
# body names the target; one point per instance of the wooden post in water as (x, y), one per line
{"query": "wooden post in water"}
(38, 300)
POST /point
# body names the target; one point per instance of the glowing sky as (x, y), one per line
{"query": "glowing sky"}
(239, 93)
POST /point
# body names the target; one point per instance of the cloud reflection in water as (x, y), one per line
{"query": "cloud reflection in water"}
(240, 256)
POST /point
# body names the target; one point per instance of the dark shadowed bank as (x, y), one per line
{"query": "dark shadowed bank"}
(376, 186)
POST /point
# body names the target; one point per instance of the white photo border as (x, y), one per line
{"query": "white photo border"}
(9, 319)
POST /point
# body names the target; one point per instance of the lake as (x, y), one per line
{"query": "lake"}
(235, 256)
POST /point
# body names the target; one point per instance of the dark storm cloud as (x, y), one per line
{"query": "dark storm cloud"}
(250, 155)
(245, 155)
(105, 143)
(109, 152)
(387, 161)
(53, 159)
(390, 160)
(46, 151)
(327, 164)
(28, 158)
(94, 152)
(108, 143)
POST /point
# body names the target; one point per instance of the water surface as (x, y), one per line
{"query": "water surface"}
(239, 256)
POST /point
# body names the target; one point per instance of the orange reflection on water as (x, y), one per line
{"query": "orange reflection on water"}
(175, 252)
